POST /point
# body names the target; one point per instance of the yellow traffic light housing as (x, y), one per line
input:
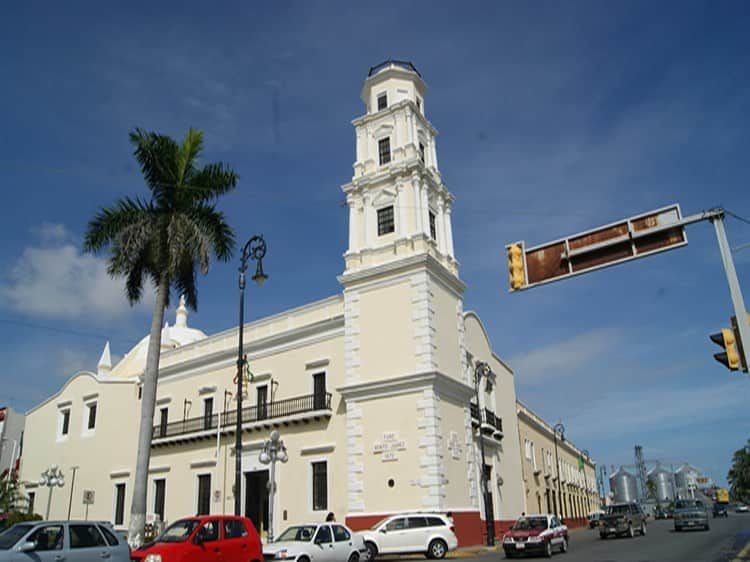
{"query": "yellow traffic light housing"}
(516, 266)
(730, 357)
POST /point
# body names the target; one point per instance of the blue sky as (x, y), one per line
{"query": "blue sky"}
(553, 118)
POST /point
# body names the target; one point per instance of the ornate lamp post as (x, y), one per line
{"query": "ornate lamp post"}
(482, 369)
(273, 451)
(586, 482)
(51, 477)
(254, 249)
(559, 428)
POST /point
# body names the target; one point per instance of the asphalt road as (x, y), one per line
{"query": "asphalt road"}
(723, 542)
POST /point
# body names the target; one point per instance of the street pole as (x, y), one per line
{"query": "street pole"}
(255, 249)
(482, 369)
(273, 451)
(72, 485)
(561, 428)
(734, 287)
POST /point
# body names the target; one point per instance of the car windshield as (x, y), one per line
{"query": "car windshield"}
(11, 536)
(301, 533)
(618, 509)
(178, 531)
(526, 523)
(688, 504)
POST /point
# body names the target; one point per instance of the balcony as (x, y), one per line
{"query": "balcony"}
(301, 409)
(491, 424)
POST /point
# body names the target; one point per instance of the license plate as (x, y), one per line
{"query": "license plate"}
(691, 523)
(520, 546)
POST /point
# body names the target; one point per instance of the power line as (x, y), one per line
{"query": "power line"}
(739, 218)
(63, 330)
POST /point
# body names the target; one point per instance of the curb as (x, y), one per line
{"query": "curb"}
(743, 554)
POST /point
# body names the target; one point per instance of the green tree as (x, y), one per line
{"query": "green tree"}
(739, 474)
(163, 240)
(9, 491)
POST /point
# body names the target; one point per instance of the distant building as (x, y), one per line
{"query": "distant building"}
(576, 495)
(11, 437)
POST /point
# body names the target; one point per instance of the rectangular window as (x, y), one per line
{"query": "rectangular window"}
(384, 150)
(65, 422)
(119, 503)
(419, 104)
(262, 402)
(421, 152)
(204, 494)
(160, 489)
(208, 413)
(32, 497)
(382, 101)
(163, 419)
(433, 230)
(320, 485)
(386, 224)
(319, 391)
(92, 416)
(85, 536)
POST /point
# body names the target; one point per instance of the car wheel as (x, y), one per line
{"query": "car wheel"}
(643, 528)
(372, 551)
(707, 527)
(353, 557)
(564, 545)
(548, 549)
(603, 536)
(437, 549)
(677, 529)
(631, 532)
(303, 559)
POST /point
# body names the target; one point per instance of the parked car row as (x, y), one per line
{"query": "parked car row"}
(222, 537)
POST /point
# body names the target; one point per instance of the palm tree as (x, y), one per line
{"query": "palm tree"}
(739, 474)
(163, 240)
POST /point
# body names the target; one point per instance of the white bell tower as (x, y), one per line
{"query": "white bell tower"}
(398, 204)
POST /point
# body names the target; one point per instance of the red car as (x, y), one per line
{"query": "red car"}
(536, 534)
(209, 538)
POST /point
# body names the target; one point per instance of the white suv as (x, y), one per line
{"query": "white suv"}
(430, 533)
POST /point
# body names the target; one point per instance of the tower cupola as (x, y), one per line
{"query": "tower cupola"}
(398, 204)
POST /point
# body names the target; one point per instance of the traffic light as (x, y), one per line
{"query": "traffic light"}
(730, 357)
(516, 266)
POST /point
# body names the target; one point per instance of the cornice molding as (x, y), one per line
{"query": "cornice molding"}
(404, 265)
(444, 385)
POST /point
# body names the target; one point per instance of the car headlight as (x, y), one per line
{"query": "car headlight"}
(507, 539)
(153, 558)
(535, 539)
(281, 555)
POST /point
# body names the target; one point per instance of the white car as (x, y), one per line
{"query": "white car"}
(317, 542)
(430, 533)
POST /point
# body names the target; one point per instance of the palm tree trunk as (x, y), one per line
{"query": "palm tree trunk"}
(145, 433)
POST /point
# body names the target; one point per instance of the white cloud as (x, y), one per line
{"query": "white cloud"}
(53, 279)
(566, 356)
(73, 361)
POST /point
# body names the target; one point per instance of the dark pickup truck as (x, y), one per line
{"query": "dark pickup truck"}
(622, 519)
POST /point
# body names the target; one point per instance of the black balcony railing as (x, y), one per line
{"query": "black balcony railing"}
(251, 414)
(489, 418)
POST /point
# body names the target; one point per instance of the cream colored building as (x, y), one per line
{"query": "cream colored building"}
(545, 485)
(372, 389)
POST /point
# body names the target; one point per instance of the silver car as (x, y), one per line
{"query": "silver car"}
(690, 514)
(76, 541)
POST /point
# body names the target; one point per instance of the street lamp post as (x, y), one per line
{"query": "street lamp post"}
(51, 477)
(559, 428)
(273, 451)
(586, 482)
(482, 369)
(254, 249)
(72, 485)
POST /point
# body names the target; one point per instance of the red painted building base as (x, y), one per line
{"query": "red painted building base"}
(469, 526)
